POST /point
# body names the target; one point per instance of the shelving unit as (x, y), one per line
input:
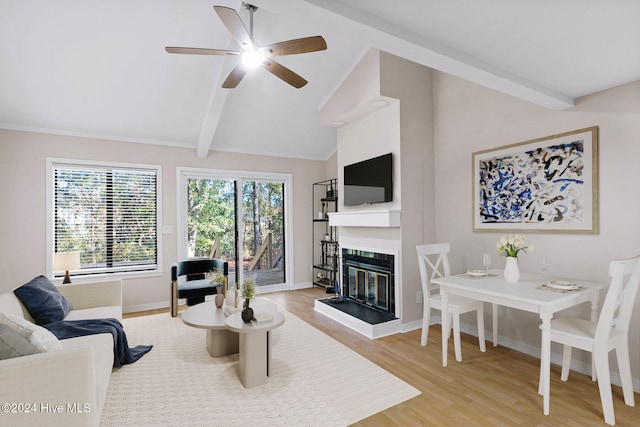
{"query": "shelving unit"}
(325, 238)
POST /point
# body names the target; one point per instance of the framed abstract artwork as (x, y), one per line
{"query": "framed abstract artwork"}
(546, 185)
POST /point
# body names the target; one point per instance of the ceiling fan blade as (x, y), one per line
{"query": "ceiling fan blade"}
(234, 77)
(284, 73)
(291, 47)
(232, 21)
(200, 51)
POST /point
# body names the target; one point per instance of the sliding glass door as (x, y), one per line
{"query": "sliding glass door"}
(263, 231)
(211, 220)
(240, 217)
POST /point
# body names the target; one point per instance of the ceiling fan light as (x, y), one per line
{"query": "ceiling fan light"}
(252, 58)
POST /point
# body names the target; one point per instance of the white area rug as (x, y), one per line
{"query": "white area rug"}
(314, 381)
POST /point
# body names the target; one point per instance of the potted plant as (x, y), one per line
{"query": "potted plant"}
(217, 278)
(248, 292)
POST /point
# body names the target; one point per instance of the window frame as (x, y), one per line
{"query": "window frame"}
(50, 225)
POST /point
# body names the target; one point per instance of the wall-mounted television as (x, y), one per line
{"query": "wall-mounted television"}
(369, 181)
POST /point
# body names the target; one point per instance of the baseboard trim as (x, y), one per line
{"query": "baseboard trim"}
(145, 307)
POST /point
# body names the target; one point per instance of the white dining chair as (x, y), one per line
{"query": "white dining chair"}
(609, 332)
(434, 262)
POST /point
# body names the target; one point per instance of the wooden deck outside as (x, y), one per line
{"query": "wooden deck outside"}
(263, 277)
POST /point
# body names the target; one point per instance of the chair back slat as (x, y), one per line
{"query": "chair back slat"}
(194, 268)
(433, 262)
(618, 304)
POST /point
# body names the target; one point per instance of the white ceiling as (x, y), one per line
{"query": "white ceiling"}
(98, 68)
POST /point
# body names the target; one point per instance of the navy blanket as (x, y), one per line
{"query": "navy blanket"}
(121, 351)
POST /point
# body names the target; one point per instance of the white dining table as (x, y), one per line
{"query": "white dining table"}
(527, 294)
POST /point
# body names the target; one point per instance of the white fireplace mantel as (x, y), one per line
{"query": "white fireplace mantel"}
(377, 218)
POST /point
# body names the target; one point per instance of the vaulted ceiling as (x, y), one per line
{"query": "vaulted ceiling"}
(99, 69)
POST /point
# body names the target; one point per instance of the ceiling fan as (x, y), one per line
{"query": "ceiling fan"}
(253, 56)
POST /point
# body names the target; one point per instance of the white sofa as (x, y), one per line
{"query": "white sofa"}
(75, 378)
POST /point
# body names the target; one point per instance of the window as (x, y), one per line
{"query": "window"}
(107, 212)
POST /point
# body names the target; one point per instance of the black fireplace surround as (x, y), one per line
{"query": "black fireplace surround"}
(368, 279)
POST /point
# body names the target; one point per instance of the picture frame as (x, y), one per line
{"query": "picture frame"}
(547, 184)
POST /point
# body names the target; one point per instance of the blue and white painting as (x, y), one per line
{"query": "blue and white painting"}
(543, 185)
(548, 185)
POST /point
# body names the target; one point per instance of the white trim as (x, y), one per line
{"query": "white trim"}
(265, 289)
(99, 277)
(50, 229)
(370, 331)
(303, 285)
(411, 326)
(364, 218)
(145, 307)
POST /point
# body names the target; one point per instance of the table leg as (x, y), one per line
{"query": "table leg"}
(494, 312)
(252, 364)
(594, 318)
(222, 342)
(545, 362)
(445, 325)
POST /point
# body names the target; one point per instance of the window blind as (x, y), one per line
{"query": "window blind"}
(107, 214)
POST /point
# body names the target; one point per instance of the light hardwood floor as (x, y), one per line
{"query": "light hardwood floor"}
(496, 388)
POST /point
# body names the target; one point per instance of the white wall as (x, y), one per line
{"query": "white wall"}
(469, 118)
(404, 128)
(22, 174)
(411, 84)
(331, 166)
(373, 135)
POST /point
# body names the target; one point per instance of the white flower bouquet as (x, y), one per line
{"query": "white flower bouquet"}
(511, 245)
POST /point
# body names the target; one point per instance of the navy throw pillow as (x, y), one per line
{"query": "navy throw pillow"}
(43, 300)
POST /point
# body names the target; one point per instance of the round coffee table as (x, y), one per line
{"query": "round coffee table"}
(255, 347)
(220, 340)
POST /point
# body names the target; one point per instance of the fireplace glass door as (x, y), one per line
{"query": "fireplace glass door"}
(370, 287)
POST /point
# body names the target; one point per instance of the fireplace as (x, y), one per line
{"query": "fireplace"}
(368, 279)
